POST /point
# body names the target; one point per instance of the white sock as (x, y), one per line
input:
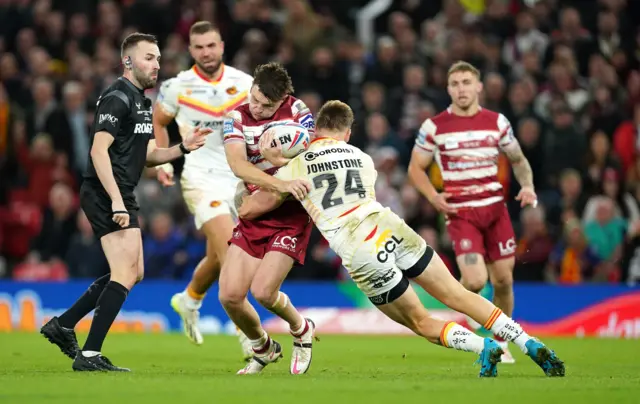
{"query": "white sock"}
(90, 354)
(258, 344)
(457, 337)
(190, 302)
(506, 328)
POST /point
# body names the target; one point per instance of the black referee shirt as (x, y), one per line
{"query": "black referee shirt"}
(125, 113)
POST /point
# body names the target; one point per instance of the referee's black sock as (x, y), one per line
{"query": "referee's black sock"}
(107, 309)
(84, 304)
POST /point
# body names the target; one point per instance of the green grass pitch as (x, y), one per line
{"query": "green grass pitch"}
(346, 369)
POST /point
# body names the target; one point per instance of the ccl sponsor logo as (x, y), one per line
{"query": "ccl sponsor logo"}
(386, 244)
(285, 243)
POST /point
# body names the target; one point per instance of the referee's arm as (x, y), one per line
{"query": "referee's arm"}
(111, 111)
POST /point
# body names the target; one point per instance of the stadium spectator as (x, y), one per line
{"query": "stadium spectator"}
(163, 245)
(534, 246)
(58, 225)
(84, 257)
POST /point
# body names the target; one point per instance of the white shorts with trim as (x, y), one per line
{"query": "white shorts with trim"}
(209, 194)
(380, 251)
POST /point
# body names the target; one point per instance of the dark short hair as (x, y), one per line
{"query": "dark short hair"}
(335, 116)
(273, 81)
(202, 27)
(133, 39)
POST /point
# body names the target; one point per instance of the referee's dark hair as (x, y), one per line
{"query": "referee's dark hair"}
(135, 38)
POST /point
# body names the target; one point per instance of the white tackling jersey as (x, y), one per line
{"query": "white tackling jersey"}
(342, 181)
(193, 100)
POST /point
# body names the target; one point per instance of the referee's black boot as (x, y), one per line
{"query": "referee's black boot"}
(96, 363)
(64, 338)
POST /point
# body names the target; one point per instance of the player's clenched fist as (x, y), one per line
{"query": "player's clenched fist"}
(120, 214)
(298, 188)
(440, 203)
(196, 138)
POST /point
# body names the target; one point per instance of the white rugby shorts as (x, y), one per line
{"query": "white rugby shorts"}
(381, 254)
(209, 194)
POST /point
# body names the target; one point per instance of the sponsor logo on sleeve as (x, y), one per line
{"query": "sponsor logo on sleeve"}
(108, 118)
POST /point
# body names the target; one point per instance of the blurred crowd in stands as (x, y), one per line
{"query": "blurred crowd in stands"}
(565, 73)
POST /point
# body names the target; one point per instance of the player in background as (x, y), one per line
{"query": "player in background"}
(466, 141)
(263, 251)
(202, 96)
(381, 252)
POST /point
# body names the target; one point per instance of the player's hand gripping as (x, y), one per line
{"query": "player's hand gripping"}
(527, 196)
(440, 203)
(298, 188)
(271, 149)
(196, 138)
(120, 214)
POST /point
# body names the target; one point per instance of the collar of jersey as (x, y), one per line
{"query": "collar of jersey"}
(130, 84)
(323, 138)
(205, 78)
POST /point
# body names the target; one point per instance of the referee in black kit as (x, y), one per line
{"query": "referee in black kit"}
(122, 145)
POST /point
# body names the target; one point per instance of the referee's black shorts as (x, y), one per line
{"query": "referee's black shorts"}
(96, 204)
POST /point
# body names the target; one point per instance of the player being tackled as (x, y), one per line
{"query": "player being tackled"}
(201, 96)
(382, 253)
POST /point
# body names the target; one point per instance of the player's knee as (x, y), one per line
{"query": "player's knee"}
(231, 297)
(474, 283)
(264, 294)
(502, 281)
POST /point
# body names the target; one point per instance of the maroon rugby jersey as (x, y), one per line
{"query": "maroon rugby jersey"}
(467, 149)
(243, 128)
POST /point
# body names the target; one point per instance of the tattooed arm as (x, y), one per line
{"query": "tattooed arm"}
(521, 167)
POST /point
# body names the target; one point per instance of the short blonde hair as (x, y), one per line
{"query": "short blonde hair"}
(334, 115)
(461, 66)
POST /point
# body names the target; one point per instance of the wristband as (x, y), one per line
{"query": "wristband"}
(184, 149)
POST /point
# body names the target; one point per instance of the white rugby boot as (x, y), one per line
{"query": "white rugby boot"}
(506, 357)
(302, 349)
(190, 317)
(245, 344)
(272, 352)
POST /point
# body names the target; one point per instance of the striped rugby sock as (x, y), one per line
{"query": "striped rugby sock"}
(505, 327)
(455, 336)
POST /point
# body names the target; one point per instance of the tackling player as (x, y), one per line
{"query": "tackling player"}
(382, 253)
(263, 251)
(466, 141)
(201, 97)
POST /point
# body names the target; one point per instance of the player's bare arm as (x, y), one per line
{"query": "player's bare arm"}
(161, 155)
(243, 169)
(524, 174)
(260, 203)
(162, 119)
(420, 162)
(102, 163)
